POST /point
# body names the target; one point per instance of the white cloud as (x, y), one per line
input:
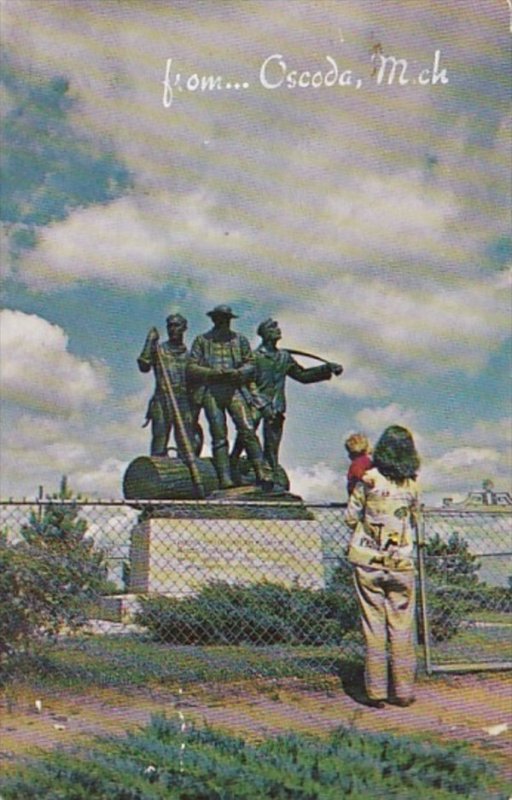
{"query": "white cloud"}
(408, 322)
(458, 463)
(348, 192)
(39, 372)
(483, 434)
(104, 480)
(403, 213)
(37, 449)
(136, 244)
(462, 469)
(491, 433)
(466, 457)
(318, 324)
(373, 421)
(316, 483)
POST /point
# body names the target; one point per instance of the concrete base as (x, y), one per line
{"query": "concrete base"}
(116, 608)
(177, 557)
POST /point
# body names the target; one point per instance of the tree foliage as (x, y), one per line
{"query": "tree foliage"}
(451, 561)
(452, 574)
(263, 614)
(49, 577)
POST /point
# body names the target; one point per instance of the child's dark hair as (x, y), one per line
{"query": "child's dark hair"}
(395, 454)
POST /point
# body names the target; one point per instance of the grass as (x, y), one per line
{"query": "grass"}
(168, 760)
(135, 661)
(476, 645)
(501, 617)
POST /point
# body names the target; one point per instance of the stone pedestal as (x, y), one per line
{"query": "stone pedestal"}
(178, 556)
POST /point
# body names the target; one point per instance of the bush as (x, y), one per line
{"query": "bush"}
(49, 578)
(447, 608)
(452, 577)
(494, 598)
(342, 586)
(169, 759)
(451, 562)
(263, 614)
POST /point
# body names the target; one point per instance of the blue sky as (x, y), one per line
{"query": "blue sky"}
(372, 220)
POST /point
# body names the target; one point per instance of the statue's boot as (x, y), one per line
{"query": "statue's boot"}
(262, 471)
(264, 477)
(221, 461)
(234, 467)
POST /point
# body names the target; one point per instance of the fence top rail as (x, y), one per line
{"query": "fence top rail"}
(475, 555)
(136, 504)
(465, 512)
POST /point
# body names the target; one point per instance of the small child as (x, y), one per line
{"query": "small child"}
(358, 449)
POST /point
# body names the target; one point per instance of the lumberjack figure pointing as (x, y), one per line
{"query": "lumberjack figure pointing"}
(271, 368)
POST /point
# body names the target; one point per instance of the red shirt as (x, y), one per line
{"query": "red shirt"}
(357, 469)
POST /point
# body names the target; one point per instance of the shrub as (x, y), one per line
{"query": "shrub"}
(168, 759)
(447, 608)
(496, 598)
(341, 586)
(264, 614)
(452, 575)
(49, 578)
(451, 561)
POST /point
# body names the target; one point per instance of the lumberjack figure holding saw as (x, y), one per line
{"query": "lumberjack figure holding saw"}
(272, 366)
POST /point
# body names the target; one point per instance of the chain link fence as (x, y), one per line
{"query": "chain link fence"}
(465, 568)
(264, 575)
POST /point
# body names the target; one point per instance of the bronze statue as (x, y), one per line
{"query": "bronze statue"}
(271, 368)
(170, 407)
(221, 366)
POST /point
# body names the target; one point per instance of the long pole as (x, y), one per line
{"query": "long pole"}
(181, 431)
(422, 579)
(308, 355)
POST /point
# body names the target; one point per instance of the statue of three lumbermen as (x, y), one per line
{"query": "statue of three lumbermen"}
(221, 375)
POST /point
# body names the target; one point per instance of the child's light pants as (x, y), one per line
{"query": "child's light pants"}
(387, 602)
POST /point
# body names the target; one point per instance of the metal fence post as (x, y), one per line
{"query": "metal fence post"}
(420, 544)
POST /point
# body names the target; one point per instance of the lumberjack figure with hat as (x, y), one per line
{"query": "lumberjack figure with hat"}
(271, 368)
(221, 367)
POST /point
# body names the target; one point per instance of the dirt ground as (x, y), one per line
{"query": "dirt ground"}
(476, 708)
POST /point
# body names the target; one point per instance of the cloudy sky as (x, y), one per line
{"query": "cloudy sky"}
(157, 157)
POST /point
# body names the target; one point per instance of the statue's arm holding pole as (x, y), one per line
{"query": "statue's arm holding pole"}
(146, 360)
(312, 374)
(180, 428)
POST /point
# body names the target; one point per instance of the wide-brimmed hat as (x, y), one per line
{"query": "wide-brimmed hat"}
(222, 311)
